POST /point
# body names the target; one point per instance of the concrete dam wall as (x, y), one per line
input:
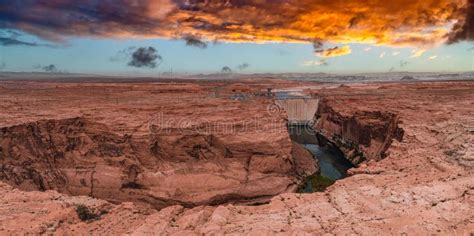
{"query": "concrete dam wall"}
(300, 110)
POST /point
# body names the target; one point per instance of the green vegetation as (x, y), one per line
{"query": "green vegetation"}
(318, 183)
(85, 214)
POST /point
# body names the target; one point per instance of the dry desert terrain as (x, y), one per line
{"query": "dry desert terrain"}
(193, 157)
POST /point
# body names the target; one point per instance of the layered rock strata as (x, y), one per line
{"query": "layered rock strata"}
(186, 151)
(361, 135)
(424, 185)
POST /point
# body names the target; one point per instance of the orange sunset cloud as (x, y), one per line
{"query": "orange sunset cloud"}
(398, 23)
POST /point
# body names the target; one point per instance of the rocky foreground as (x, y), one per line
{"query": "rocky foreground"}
(202, 157)
(159, 144)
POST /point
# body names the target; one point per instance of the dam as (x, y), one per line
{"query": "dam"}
(300, 110)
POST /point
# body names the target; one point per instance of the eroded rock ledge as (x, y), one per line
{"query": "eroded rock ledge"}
(165, 167)
(426, 186)
(361, 135)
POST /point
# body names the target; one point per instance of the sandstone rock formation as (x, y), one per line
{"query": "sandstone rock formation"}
(304, 162)
(361, 135)
(221, 151)
(420, 184)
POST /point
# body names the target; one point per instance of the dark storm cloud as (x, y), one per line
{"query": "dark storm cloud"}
(243, 66)
(395, 23)
(194, 42)
(464, 30)
(54, 19)
(226, 70)
(145, 57)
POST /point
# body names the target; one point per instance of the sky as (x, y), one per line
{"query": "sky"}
(153, 37)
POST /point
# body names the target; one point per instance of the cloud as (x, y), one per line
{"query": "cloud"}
(464, 29)
(382, 55)
(243, 66)
(10, 37)
(395, 53)
(123, 54)
(145, 57)
(334, 52)
(226, 70)
(417, 53)
(416, 23)
(356, 20)
(317, 44)
(194, 41)
(3, 65)
(4, 41)
(433, 57)
(49, 68)
(10, 33)
(321, 62)
(403, 63)
(367, 49)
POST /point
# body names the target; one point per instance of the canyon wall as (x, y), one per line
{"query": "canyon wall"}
(164, 167)
(362, 135)
(423, 186)
(155, 143)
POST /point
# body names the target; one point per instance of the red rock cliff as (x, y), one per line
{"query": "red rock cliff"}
(361, 135)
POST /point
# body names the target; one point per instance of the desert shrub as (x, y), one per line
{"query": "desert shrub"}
(85, 214)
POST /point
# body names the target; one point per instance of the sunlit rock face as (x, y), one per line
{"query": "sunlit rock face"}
(161, 154)
(361, 135)
(423, 185)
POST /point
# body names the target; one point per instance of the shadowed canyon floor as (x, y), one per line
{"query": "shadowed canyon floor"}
(200, 157)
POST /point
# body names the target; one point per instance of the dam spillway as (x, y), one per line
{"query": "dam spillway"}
(299, 110)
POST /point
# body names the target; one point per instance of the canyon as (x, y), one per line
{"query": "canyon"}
(215, 157)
